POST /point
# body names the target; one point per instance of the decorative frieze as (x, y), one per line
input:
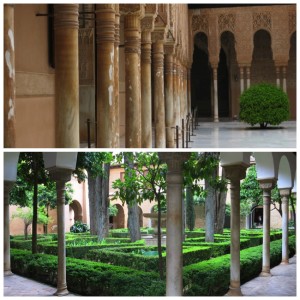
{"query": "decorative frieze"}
(262, 20)
(200, 23)
(226, 22)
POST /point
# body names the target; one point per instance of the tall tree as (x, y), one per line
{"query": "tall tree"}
(145, 179)
(95, 167)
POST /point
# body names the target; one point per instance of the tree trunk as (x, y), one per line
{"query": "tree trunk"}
(190, 209)
(35, 205)
(133, 222)
(103, 202)
(26, 230)
(92, 203)
(220, 209)
(133, 212)
(209, 212)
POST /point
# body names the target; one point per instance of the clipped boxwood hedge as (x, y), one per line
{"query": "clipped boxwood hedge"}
(88, 278)
(125, 256)
(212, 277)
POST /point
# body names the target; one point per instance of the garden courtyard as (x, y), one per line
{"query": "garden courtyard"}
(175, 258)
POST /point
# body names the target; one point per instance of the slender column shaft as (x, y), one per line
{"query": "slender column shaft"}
(181, 93)
(248, 74)
(132, 81)
(285, 194)
(66, 75)
(284, 79)
(169, 100)
(189, 90)
(159, 97)
(242, 84)
(216, 104)
(146, 90)
(184, 91)
(176, 94)
(105, 22)
(266, 187)
(174, 222)
(116, 133)
(7, 267)
(61, 272)
(235, 173)
(278, 77)
(9, 78)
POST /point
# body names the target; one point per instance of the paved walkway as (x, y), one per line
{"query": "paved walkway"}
(240, 135)
(282, 283)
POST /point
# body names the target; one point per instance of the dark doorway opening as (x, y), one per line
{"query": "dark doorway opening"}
(201, 78)
(223, 86)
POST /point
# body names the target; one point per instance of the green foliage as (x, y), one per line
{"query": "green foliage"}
(78, 227)
(88, 278)
(264, 104)
(26, 214)
(190, 210)
(203, 279)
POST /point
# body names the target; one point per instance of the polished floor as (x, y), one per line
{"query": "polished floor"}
(281, 283)
(240, 135)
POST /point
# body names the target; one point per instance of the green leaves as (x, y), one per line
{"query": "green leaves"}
(264, 104)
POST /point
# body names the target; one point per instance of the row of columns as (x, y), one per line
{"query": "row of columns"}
(61, 176)
(148, 61)
(234, 173)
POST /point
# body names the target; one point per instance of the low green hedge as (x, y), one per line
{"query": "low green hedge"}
(88, 278)
(127, 256)
(212, 277)
(80, 251)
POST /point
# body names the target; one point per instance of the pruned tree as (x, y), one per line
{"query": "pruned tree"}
(95, 167)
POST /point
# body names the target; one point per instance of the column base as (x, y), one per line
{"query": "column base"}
(61, 292)
(8, 273)
(265, 274)
(285, 262)
(216, 120)
(234, 291)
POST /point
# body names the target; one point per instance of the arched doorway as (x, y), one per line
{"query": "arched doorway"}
(227, 69)
(262, 68)
(118, 221)
(75, 212)
(201, 77)
(291, 76)
(257, 214)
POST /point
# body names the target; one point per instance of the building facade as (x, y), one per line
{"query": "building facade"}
(134, 71)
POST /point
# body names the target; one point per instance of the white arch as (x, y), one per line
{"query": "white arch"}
(265, 165)
(285, 180)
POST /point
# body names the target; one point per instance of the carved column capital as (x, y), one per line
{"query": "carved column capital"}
(267, 184)
(60, 175)
(235, 172)
(174, 160)
(284, 194)
(132, 9)
(66, 16)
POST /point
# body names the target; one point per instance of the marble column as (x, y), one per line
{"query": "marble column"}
(146, 90)
(278, 77)
(159, 96)
(285, 194)
(132, 37)
(235, 173)
(9, 78)
(66, 75)
(116, 133)
(61, 177)
(242, 84)
(176, 93)
(189, 98)
(266, 186)
(181, 92)
(105, 37)
(248, 76)
(6, 257)
(169, 100)
(184, 89)
(216, 104)
(174, 284)
(284, 79)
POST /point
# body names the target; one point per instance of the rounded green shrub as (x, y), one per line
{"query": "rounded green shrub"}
(78, 227)
(264, 104)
